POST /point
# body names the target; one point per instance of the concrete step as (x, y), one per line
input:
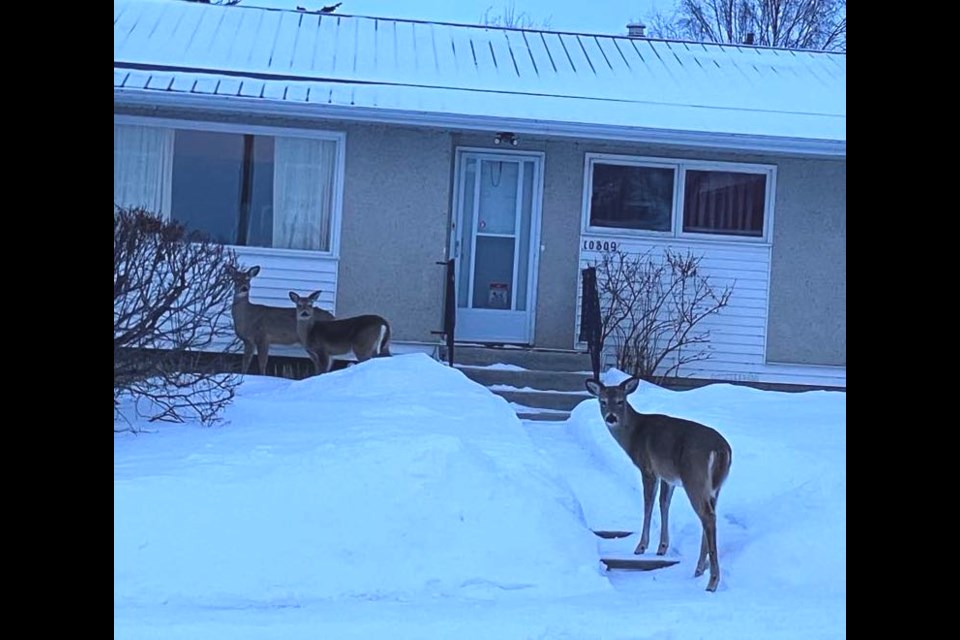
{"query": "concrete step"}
(543, 380)
(545, 416)
(534, 359)
(638, 564)
(543, 399)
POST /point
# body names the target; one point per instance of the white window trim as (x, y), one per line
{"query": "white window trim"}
(340, 137)
(680, 166)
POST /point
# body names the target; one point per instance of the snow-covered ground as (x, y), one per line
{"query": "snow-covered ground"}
(399, 499)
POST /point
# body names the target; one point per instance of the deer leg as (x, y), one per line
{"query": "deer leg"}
(315, 359)
(706, 511)
(324, 361)
(666, 494)
(649, 491)
(711, 533)
(248, 348)
(702, 562)
(263, 352)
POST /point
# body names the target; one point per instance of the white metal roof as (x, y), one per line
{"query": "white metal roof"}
(391, 70)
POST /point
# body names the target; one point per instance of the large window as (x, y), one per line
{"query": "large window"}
(242, 188)
(677, 197)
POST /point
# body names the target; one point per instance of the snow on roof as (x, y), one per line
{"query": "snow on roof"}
(336, 65)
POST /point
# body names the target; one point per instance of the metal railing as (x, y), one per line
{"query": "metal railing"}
(590, 323)
(449, 308)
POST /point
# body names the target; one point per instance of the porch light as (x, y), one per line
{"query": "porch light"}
(505, 137)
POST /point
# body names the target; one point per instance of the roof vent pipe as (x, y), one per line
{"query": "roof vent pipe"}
(636, 30)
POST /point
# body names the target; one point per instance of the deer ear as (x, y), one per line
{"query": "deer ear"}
(313, 296)
(630, 385)
(253, 271)
(593, 386)
(294, 297)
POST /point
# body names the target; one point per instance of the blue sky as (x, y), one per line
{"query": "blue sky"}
(593, 16)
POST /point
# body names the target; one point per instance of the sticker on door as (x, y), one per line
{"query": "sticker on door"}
(499, 295)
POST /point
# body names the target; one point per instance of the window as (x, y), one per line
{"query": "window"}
(677, 197)
(243, 189)
(724, 202)
(632, 197)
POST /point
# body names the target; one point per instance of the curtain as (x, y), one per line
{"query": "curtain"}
(303, 175)
(724, 202)
(143, 167)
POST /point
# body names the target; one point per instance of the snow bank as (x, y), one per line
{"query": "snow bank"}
(395, 477)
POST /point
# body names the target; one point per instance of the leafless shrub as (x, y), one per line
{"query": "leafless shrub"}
(171, 306)
(650, 309)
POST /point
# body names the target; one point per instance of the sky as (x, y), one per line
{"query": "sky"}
(399, 499)
(594, 16)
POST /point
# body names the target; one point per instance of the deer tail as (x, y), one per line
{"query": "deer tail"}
(384, 340)
(718, 466)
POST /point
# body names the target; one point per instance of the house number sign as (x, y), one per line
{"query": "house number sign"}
(599, 245)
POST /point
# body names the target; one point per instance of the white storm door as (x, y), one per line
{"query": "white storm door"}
(495, 239)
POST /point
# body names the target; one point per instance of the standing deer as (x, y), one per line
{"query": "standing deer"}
(364, 336)
(258, 325)
(674, 452)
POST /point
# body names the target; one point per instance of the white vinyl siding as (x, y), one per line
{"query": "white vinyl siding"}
(738, 332)
(282, 271)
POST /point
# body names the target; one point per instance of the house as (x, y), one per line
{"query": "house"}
(353, 154)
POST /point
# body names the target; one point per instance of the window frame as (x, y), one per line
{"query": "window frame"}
(680, 167)
(339, 137)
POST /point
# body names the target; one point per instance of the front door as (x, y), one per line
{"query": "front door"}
(495, 239)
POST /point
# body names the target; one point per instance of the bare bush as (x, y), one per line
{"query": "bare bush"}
(171, 324)
(651, 310)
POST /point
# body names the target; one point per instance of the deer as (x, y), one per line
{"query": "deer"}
(364, 336)
(258, 326)
(672, 452)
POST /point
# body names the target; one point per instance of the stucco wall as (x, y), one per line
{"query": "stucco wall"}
(396, 216)
(396, 208)
(807, 314)
(808, 275)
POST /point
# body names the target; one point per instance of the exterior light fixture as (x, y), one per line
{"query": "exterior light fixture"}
(505, 137)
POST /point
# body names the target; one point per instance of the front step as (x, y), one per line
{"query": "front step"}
(543, 416)
(541, 384)
(638, 564)
(542, 399)
(532, 359)
(631, 562)
(521, 378)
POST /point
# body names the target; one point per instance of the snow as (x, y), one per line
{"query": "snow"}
(446, 75)
(498, 366)
(399, 499)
